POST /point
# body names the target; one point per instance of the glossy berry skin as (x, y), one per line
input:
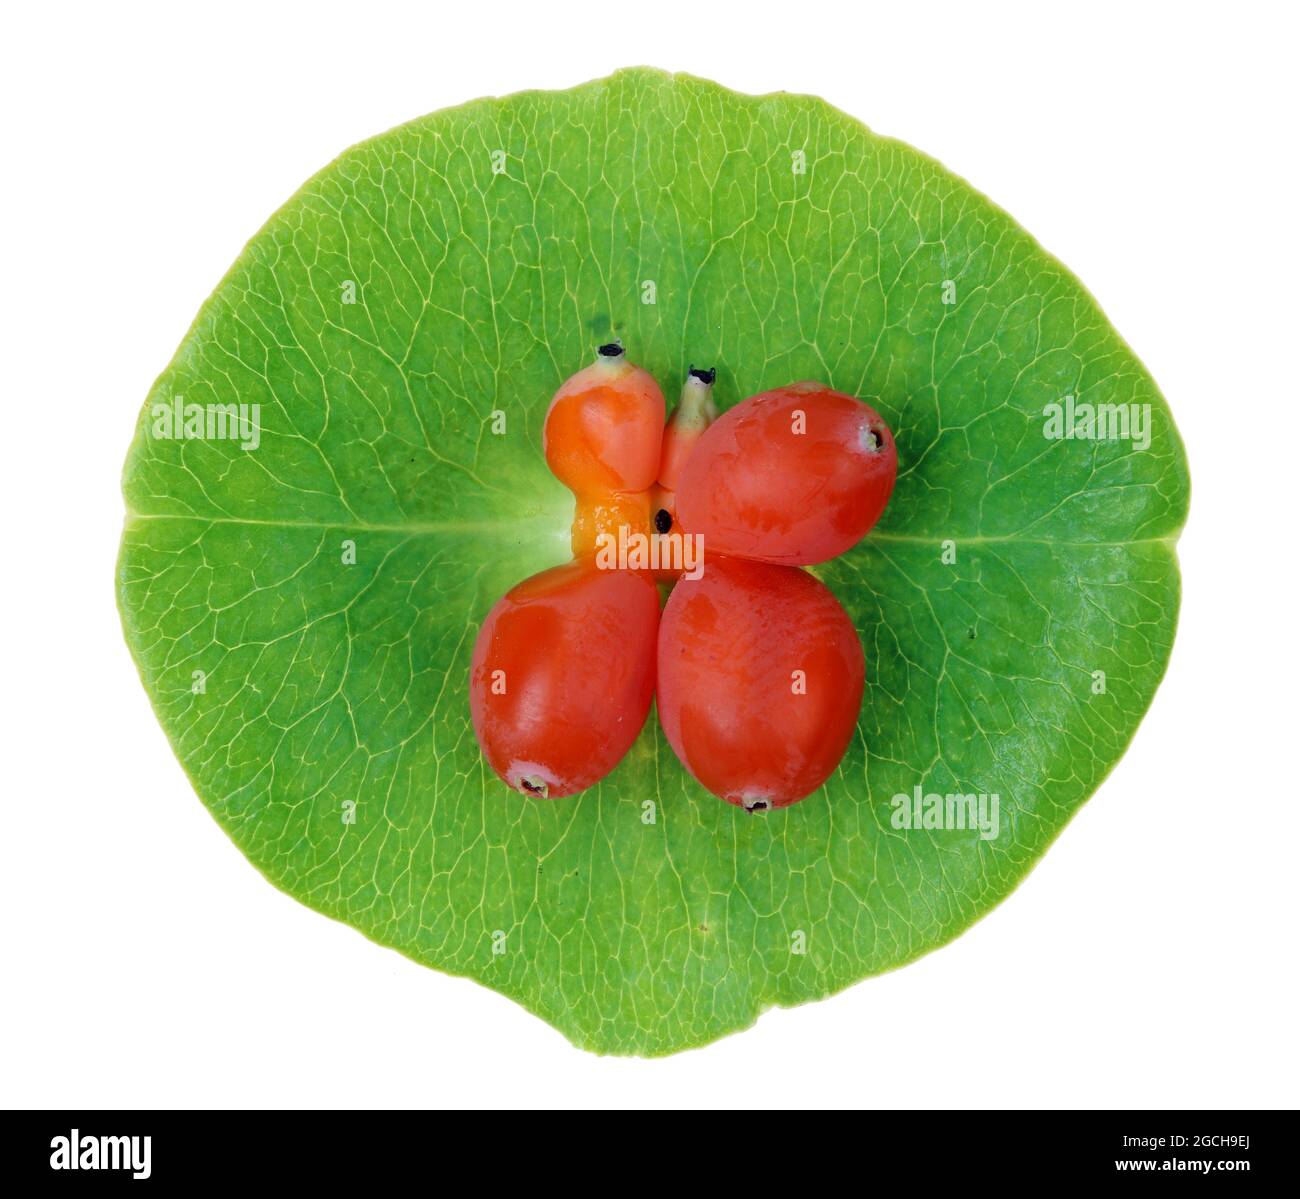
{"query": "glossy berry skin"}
(604, 427)
(729, 698)
(605, 514)
(692, 416)
(757, 487)
(694, 413)
(576, 648)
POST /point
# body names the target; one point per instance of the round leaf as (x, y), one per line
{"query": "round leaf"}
(301, 579)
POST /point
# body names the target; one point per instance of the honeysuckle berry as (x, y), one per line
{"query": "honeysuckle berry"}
(794, 476)
(602, 439)
(562, 676)
(694, 413)
(760, 680)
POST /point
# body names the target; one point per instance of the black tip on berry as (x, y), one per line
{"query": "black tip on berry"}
(663, 520)
(759, 805)
(534, 784)
(611, 349)
(704, 376)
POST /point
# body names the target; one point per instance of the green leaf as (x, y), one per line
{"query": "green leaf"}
(487, 249)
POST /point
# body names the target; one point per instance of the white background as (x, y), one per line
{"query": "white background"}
(1150, 960)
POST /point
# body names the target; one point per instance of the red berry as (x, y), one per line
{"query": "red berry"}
(604, 427)
(694, 413)
(562, 676)
(795, 476)
(760, 681)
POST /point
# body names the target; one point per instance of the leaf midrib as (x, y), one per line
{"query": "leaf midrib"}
(432, 528)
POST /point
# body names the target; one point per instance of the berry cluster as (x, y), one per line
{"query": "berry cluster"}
(758, 669)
